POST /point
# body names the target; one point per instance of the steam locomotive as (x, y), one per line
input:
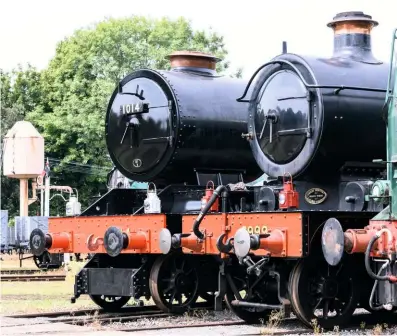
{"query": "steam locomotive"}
(199, 229)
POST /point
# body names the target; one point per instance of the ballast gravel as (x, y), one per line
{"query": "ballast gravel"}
(287, 327)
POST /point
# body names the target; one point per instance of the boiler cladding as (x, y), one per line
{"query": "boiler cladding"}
(164, 126)
(310, 115)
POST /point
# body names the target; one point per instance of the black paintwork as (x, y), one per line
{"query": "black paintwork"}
(344, 125)
(105, 275)
(347, 191)
(193, 123)
(175, 200)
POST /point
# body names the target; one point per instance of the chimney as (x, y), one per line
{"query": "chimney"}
(352, 36)
(194, 61)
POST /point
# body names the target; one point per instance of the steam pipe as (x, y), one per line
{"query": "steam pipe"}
(371, 243)
(367, 261)
(200, 217)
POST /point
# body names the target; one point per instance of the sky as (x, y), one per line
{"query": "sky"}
(253, 30)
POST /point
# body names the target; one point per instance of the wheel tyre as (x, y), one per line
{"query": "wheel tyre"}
(155, 274)
(208, 297)
(303, 314)
(110, 306)
(249, 316)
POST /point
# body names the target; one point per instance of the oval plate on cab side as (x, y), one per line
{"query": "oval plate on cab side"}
(315, 196)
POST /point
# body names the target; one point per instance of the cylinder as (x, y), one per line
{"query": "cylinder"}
(168, 126)
(352, 35)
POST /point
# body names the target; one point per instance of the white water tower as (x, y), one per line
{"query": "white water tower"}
(23, 157)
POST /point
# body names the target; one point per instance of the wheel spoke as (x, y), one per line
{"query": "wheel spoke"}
(180, 299)
(167, 290)
(173, 296)
(248, 294)
(326, 308)
(110, 303)
(317, 304)
(170, 283)
(337, 307)
(335, 296)
(183, 264)
(339, 269)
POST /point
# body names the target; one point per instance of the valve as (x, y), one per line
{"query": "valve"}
(207, 196)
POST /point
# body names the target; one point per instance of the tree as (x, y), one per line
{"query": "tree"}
(86, 69)
(67, 101)
(77, 85)
(238, 73)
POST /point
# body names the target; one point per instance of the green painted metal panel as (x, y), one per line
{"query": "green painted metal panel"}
(392, 129)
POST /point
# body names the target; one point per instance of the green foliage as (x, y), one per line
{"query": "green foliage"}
(238, 73)
(67, 101)
(86, 68)
(11, 221)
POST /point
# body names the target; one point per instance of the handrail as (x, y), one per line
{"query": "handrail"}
(337, 88)
(390, 94)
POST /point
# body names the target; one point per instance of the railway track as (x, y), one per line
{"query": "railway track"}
(290, 326)
(131, 314)
(85, 316)
(31, 277)
(19, 271)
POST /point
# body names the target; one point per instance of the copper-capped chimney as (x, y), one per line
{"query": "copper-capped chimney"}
(352, 36)
(194, 61)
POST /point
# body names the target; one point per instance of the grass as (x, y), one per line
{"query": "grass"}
(273, 322)
(12, 262)
(32, 297)
(46, 296)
